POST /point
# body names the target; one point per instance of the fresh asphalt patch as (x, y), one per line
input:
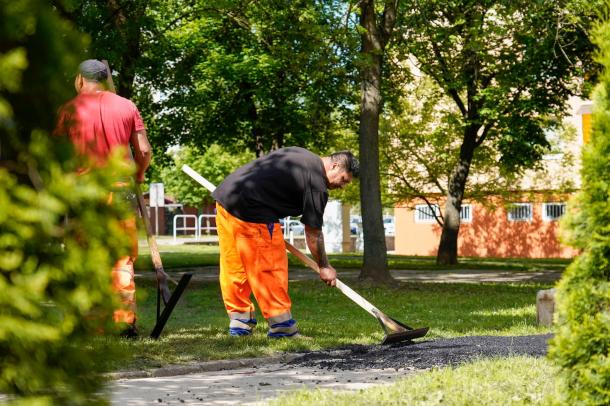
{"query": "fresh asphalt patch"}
(348, 368)
(424, 354)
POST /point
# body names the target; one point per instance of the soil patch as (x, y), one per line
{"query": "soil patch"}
(424, 354)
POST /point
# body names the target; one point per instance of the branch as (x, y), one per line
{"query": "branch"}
(446, 76)
(483, 136)
(439, 219)
(349, 11)
(434, 179)
(71, 16)
(389, 20)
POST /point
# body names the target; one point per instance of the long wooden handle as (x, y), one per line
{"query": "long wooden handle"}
(346, 290)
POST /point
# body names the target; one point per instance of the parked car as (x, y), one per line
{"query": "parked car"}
(293, 225)
(388, 225)
(355, 224)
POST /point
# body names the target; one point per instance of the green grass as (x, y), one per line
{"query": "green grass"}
(488, 382)
(197, 255)
(197, 330)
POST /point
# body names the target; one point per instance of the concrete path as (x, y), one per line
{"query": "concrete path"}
(244, 386)
(210, 273)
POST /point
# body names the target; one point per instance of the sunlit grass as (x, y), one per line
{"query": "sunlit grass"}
(488, 382)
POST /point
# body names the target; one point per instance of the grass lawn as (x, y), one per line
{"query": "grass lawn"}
(197, 330)
(489, 382)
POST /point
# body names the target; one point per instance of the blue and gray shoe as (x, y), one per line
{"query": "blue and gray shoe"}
(282, 326)
(241, 327)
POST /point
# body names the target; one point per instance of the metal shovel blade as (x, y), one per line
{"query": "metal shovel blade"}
(396, 331)
(406, 335)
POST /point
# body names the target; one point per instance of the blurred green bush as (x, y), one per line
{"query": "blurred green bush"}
(58, 237)
(581, 346)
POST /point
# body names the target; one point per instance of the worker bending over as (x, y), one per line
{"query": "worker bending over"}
(249, 202)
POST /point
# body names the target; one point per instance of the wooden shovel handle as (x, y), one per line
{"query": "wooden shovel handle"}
(346, 290)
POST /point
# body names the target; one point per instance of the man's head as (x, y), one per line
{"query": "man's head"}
(91, 73)
(341, 167)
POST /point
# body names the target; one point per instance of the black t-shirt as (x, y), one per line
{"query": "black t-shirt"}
(287, 182)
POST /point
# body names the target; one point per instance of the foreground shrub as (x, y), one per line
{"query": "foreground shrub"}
(58, 236)
(582, 344)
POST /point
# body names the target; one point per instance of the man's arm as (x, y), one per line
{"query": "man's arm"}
(315, 243)
(142, 153)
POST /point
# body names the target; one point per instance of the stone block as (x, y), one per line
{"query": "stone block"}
(545, 307)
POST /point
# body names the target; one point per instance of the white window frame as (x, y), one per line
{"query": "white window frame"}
(425, 210)
(546, 217)
(466, 215)
(518, 206)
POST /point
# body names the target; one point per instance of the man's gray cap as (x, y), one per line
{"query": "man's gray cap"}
(92, 69)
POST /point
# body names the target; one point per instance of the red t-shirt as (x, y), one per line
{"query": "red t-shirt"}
(98, 122)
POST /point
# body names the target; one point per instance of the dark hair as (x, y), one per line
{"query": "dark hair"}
(347, 161)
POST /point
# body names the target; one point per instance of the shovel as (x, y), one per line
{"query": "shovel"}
(394, 330)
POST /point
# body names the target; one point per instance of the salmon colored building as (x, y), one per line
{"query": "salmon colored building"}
(524, 226)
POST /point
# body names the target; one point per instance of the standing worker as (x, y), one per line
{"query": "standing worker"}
(98, 121)
(249, 203)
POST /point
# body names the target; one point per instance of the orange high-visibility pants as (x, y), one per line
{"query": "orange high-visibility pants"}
(252, 261)
(123, 277)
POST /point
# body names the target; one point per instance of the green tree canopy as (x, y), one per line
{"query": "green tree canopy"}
(214, 163)
(247, 75)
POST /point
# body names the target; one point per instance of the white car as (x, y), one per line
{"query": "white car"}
(292, 225)
(388, 225)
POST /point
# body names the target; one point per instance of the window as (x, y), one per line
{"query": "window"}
(520, 212)
(466, 213)
(553, 211)
(425, 214)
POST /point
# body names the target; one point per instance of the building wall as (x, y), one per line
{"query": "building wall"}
(489, 234)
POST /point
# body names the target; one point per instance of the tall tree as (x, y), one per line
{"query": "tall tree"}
(506, 65)
(244, 74)
(376, 27)
(420, 144)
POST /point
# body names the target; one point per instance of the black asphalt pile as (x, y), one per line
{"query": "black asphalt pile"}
(424, 354)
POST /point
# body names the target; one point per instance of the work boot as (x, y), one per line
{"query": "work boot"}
(241, 327)
(283, 329)
(130, 332)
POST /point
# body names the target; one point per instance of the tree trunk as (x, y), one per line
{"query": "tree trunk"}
(127, 21)
(448, 247)
(375, 264)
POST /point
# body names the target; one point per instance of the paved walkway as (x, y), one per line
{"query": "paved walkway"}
(436, 276)
(244, 386)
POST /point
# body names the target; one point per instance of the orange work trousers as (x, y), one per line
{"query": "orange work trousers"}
(252, 261)
(123, 277)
